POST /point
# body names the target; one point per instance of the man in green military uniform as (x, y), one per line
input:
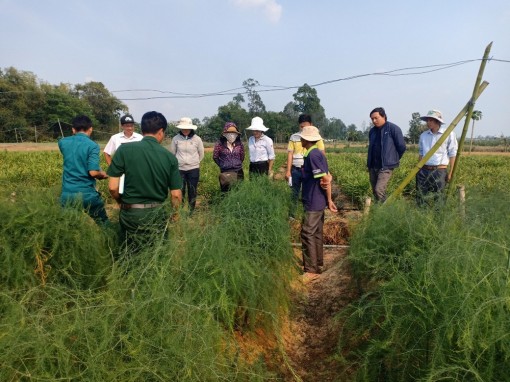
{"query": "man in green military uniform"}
(150, 172)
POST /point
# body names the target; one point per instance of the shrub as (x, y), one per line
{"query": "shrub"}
(436, 293)
(44, 243)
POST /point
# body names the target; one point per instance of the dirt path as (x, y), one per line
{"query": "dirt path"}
(311, 338)
(313, 331)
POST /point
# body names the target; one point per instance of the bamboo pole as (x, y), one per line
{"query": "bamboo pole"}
(444, 136)
(468, 118)
(59, 125)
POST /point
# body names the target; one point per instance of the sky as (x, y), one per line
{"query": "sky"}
(209, 46)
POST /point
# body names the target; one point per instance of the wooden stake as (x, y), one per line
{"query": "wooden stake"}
(368, 203)
(59, 125)
(462, 199)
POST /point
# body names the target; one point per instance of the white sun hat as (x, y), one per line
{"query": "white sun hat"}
(434, 114)
(257, 124)
(185, 123)
(310, 134)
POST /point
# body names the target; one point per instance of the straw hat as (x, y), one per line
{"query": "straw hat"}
(310, 134)
(257, 124)
(230, 127)
(185, 123)
(434, 114)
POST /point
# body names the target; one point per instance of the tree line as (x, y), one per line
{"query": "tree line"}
(33, 110)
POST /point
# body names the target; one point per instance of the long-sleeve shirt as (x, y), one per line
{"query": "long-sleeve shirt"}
(261, 150)
(443, 154)
(227, 159)
(392, 142)
(188, 150)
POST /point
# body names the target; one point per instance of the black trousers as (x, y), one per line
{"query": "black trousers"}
(259, 168)
(430, 185)
(190, 184)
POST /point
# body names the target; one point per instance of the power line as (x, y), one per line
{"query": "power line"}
(408, 71)
(394, 72)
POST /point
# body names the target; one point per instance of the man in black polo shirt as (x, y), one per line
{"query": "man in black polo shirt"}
(150, 172)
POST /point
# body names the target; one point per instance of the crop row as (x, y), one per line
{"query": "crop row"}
(43, 170)
(170, 313)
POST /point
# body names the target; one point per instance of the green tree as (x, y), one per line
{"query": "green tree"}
(231, 112)
(334, 129)
(290, 110)
(61, 106)
(211, 128)
(106, 107)
(353, 134)
(280, 126)
(20, 99)
(255, 104)
(475, 116)
(307, 102)
(415, 128)
(238, 99)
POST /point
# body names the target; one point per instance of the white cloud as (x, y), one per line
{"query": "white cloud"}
(271, 8)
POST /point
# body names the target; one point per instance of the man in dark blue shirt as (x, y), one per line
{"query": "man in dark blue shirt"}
(81, 169)
(386, 146)
(316, 197)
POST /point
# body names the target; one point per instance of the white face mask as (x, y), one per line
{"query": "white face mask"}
(231, 137)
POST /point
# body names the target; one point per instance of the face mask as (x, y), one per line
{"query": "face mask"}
(231, 137)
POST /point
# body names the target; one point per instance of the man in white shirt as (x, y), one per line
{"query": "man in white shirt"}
(433, 176)
(127, 135)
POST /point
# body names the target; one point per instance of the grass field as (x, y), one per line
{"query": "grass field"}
(434, 301)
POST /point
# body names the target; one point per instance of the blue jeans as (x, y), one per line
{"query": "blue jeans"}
(297, 180)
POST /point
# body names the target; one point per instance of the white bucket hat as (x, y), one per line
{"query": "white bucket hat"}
(257, 124)
(310, 134)
(435, 114)
(185, 123)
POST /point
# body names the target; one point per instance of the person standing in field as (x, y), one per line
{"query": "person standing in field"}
(316, 197)
(151, 173)
(228, 154)
(295, 160)
(386, 146)
(127, 135)
(431, 179)
(189, 150)
(81, 169)
(261, 149)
